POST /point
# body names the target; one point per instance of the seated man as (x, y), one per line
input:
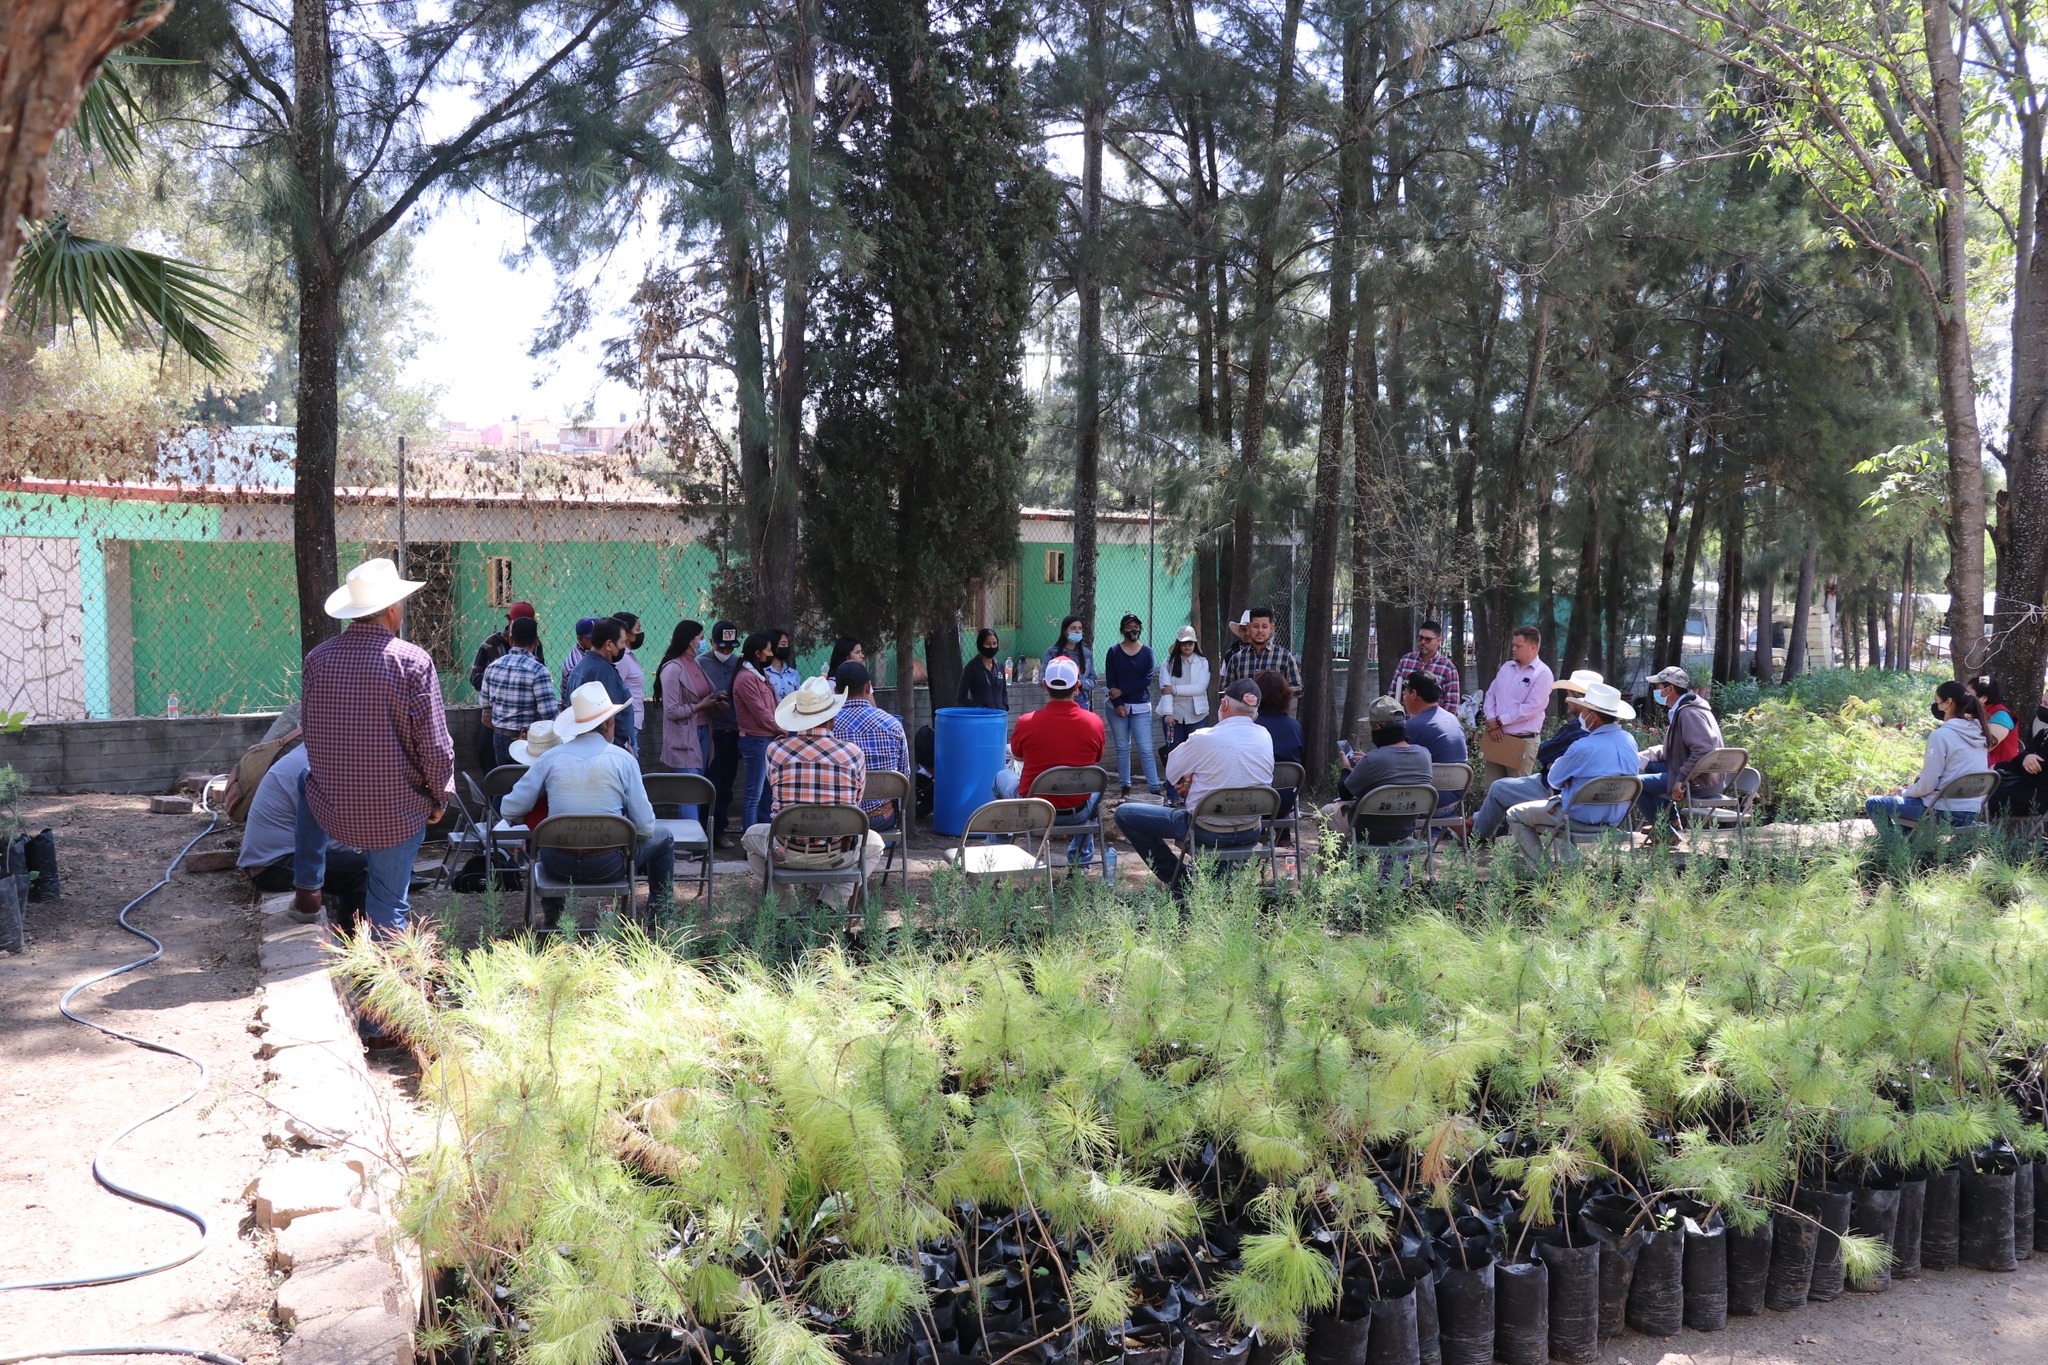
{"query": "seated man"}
(1431, 727)
(268, 838)
(877, 734)
(587, 773)
(1234, 752)
(1608, 750)
(1393, 761)
(810, 766)
(1506, 792)
(1690, 734)
(1059, 734)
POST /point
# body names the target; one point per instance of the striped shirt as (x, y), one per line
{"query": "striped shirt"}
(1438, 666)
(519, 690)
(377, 747)
(879, 736)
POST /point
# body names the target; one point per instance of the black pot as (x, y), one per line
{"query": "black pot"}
(1339, 1338)
(1465, 1314)
(1829, 1205)
(1793, 1237)
(1521, 1313)
(1706, 1274)
(1428, 1329)
(1618, 1252)
(1574, 1301)
(1656, 1294)
(1875, 1213)
(1154, 1344)
(1395, 1340)
(1749, 1269)
(1984, 1221)
(2023, 1211)
(2041, 1205)
(1210, 1342)
(1906, 1229)
(1940, 1220)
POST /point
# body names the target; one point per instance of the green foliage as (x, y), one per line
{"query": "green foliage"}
(62, 277)
(1822, 756)
(12, 788)
(1900, 698)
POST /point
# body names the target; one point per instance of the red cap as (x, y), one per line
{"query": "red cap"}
(519, 609)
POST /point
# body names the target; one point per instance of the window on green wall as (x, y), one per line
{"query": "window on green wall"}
(1055, 566)
(499, 571)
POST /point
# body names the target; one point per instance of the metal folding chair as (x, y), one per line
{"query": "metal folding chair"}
(884, 784)
(1260, 804)
(1978, 785)
(499, 781)
(1410, 801)
(1080, 780)
(1450, 778)
(1007, 821)
(1289, 777)
(1734, 808)
(681, 790)
(818, 822)
(471, 834)
(1598, 791)
(580, 834)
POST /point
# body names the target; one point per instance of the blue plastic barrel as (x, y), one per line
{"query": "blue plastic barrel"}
(969, 753)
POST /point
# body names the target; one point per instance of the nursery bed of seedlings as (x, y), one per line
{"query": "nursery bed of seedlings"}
(1644, 1105)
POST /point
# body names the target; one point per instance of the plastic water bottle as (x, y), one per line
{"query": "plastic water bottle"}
(1109, 863)
(171, 706)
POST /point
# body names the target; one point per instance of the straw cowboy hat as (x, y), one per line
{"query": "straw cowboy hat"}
(1578, 682)
(812, 705)
(589, 707)
(1605, 699)
(370, 587)
(540, 738)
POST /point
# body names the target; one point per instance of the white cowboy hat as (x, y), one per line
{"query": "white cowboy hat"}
(1605, 699)
(812, 705)
(370, 587)
(1578, 682)
(589, 707)
(540, 738)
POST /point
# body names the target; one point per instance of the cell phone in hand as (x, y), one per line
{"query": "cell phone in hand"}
(1344, 747)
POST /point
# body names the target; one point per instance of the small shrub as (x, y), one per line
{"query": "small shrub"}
(1821, 764)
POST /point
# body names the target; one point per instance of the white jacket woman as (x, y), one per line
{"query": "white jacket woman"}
(1183, 696)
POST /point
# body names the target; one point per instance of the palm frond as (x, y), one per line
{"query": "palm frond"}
(62, 278)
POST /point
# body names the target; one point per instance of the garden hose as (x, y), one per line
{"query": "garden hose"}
(99, 1168)
(215, 1357)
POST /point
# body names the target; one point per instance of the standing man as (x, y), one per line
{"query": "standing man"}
(380, 766)
(1690, 734)
(517, 690)
(1234, 752)
(722, 764)
(494, 648)
(1428, 657)
(601, 664)
(1515, 703)
(1255, 652)
(877, 734)
(576, 652)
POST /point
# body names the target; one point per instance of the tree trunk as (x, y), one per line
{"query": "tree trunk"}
(2022, 645)
(1802, 607)
(1582, 635)
(1695, 532)
(1365, 402)
(319, 272)
(775, 595)
(906, 675)
(1515, 476)
(1728, 604)
(1318, 705)
(1870, 620)
(1265, 290)
(1765, 663)
(1546, 585)
(1616, 653)
(50, 50)
(1904, 634)
(1088, 328)
(942, 658)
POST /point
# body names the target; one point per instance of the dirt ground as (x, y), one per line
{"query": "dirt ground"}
(64, 1089)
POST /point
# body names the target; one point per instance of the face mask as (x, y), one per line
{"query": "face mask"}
(989, 651)
(783, 652)
(1936, 709)
(1074, 637)
(1131, 634)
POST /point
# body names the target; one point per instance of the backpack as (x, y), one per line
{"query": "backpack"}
(248, 774)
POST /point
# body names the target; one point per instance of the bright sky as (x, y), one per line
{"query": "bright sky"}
(482, 315)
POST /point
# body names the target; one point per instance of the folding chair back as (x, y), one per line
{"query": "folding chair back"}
(1079, 780)
(581, 834)
(886, 784)
(1738, 796)
(847, 822)
(1970, 786)
(1722, 762)
(499, 781)
(1259, 804)
(1409, 801)
(1451, 779)
(683, 791)
(1289, 777)
(1017, 818)
(1598, 791)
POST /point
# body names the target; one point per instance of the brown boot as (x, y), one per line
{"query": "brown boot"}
(305, 905)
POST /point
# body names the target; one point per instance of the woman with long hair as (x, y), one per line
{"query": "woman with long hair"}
(981, 678)
(2003, 730)
(844, 648)
(1959, 745)
(753, 704)
(782, 670)
(1290, 745)
(1073, 642)
(687, 700)
(1183, 687)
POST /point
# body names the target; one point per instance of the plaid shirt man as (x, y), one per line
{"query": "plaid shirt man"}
(519, 690)
(814, 768)
(1247, 660)
(377, 747)
(880, 737)
(1438, 666)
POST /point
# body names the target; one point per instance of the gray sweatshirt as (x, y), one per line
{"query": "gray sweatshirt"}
(1690, 734)
(1955, 748)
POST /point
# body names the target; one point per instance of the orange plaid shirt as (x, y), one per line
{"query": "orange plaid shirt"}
(815, 768)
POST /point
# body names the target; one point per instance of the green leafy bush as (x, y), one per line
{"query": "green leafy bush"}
(1819, 765)
(11, 790)
(1900, 698)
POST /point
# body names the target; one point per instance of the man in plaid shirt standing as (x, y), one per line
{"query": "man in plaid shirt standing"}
(878, 734)
(516, 690)
(380, 766)
(810, 766)
(1428, 657)
(1255, 651)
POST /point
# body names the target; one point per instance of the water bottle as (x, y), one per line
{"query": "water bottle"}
(171, 706)
(1109, 863)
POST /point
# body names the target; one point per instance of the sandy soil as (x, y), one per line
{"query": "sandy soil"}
(65, 1088)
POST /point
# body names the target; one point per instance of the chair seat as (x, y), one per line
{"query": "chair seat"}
(544, 881)
(688, 834)
(985, 859)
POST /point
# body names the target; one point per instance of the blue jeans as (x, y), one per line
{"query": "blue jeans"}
(753, 780)
(1886, 811)
(1126, 730)
(1150, 828)
(1503, 793)
(653, 858)
(1656, 795)
(1080, 849)
(388, 872)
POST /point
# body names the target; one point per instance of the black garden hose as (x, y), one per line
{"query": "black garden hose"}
(213, 1357)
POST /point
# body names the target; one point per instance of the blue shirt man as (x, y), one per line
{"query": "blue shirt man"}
(600, 665)
(1608, 750)
(1431, 727)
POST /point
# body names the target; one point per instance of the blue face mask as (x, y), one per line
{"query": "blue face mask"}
(1074, 637)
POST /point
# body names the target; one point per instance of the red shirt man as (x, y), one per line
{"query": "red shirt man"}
(1059, 734)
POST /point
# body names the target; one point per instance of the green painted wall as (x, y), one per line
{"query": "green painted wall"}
(1120, 586)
